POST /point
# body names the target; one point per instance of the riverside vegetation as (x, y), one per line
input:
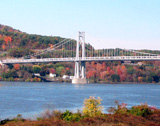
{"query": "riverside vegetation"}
(92, 115)
(16, 44)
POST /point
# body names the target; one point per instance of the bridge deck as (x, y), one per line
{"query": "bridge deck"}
(71, 59)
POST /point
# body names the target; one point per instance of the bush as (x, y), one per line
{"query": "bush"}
(118, 108)
(36, 69)
(115, 78)
(69, 116)
(92, 107)
(142, 110)
(139, 110)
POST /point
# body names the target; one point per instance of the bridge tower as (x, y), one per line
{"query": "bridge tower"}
(80, 68)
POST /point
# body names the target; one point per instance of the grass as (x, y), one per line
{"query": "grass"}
(103, 120)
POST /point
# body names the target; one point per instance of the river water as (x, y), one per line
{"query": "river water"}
(31, 98)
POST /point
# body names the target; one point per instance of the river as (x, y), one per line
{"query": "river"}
(32, 98)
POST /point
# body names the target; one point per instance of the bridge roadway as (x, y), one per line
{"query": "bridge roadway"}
(73, 59)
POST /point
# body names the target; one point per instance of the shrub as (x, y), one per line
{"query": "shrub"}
(139, 110)
(18, 118)
(118, 108)
(69, 116)
(142, 110)
(92, 107)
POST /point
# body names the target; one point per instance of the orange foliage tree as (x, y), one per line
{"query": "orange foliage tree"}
(3, 47)
(16, 66)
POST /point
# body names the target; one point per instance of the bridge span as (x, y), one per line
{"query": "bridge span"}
(81, 59)
(79, 51)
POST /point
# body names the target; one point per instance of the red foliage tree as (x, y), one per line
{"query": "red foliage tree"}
(123, 67)
(52, 70)
(119, 72)
(103, 75)
(67, 68)
(16, 66)
(3, 47)
(91, 73)
(108, 69)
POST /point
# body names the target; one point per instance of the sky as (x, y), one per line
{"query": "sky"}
(129, 24)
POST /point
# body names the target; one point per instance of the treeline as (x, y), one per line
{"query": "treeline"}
(11, 38)
(17, 44)
(140, 72)
(26, 72)
(96, 72)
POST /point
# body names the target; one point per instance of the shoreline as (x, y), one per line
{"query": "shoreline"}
(87, 83)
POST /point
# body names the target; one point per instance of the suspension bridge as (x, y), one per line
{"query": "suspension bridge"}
(80, 52)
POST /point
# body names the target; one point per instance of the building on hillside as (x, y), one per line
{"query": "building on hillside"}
(36, 74)
(71, 77)
(52, 75)
(66, 77)
(140, 63)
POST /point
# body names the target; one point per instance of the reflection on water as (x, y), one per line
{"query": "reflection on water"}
(29, 98)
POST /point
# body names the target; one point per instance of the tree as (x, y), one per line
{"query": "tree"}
(92, 106)
(52, 70)
(10, 66)
(115, 78)
(43, 73)
(149, 79)
(140, 79)
(16, 66)
(59, 70)
(91, 73)
(36, 69)
(155, 77)
(19, 52)
(130, 70)
(103, 75)
(119, 72)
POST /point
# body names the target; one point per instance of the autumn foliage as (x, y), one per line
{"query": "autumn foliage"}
(16, 66)
(117, 71)
(17, 44)
(140, 115)
(11, 38)
(92, 106)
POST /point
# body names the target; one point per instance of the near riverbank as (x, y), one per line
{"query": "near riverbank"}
(140, 115)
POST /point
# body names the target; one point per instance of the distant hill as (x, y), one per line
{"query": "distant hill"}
(17, 44)
(12, 38)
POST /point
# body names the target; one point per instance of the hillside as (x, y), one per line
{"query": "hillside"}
(18, 43)
(12, 38)
(14, 43)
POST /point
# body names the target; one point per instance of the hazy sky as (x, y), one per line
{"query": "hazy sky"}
(108, 23)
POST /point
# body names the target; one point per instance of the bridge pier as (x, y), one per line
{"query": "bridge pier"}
(79, 81)
(80, 73)
(80, 68)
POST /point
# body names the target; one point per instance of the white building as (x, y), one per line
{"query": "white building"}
(52, 75)
(36, 74)
(71, 77)
(65, 77)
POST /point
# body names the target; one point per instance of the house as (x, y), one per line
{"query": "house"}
(140, 63)
(65, 77)
(36, 74)
(52, 75)
(71, 77)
